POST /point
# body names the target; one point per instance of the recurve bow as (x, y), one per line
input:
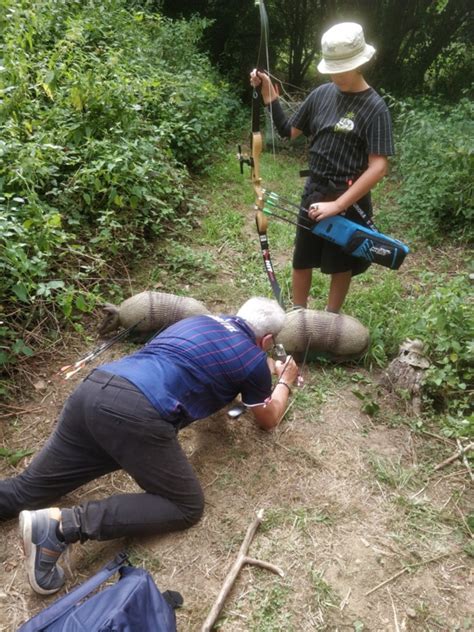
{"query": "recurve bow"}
(256, 148)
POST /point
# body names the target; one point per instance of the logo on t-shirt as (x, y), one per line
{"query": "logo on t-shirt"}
(227, 324)
(345, 124)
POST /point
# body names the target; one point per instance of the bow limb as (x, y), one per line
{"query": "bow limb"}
(260, 218)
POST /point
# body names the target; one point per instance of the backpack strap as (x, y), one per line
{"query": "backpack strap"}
(65, 603)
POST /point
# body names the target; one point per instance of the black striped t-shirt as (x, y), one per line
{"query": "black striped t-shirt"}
(344, 128)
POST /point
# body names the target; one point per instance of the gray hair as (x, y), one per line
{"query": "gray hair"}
(263, 315)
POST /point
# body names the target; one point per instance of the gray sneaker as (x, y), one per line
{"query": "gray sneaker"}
(42, 549)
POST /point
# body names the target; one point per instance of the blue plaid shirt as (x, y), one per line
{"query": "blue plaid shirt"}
(197, 366)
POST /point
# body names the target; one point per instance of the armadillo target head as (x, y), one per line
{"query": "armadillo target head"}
(111, 320)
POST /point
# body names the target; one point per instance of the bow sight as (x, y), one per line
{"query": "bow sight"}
(244, 159)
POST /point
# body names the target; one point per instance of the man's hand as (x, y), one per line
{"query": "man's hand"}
(287, 370)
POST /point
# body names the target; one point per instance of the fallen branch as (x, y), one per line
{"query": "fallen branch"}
(395, 618)
(463, 452)
(407, 568)
(459, 453)
(435, 436)
(21, 411)
(387, 581)
(242, 559)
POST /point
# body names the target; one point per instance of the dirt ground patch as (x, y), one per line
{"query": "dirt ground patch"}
(348, 502)
(369, 537)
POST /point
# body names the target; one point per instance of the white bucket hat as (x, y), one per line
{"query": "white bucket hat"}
(344, 48)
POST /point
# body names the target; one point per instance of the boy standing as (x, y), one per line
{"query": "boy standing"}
(350, 133)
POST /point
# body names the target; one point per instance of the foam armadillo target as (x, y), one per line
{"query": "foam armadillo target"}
(335, 335)
(150, 311)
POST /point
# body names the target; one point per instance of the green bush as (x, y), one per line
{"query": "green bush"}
(105, 112)
(446, 326)
(436, 309)
(435, 162)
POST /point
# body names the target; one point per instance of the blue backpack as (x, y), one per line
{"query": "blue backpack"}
(133, 604)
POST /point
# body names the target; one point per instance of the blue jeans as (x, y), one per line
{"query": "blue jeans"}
(108, 424)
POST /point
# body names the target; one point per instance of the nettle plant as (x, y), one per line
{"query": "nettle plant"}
(435, 162)
(446, 326)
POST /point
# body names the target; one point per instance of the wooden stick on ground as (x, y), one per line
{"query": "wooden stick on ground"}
(395, 618)
(242, 559)
(460, 453)
(407, 568)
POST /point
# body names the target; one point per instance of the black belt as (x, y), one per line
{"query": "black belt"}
(336, 184)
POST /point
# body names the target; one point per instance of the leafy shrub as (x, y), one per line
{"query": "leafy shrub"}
(435, 162)
(445, 325)
(378, 306)
(105, 111)
(436, 310)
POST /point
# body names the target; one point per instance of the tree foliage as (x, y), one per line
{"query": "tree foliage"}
(104, 113)
(411, 37)
(424, 44)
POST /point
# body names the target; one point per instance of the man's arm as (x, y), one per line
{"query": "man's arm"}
(268, 416)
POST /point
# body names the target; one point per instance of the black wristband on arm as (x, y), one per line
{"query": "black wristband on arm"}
(285, 384)
(280, 120)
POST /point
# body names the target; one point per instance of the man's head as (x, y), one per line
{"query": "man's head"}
(344, 49)
(264, 316)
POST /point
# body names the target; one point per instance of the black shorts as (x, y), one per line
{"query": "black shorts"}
(312, 251)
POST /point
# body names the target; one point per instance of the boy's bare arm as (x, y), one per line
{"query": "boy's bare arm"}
(374, 173)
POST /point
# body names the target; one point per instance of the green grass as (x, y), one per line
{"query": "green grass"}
(391, 472)
(272, 613)
(418, 524)
(219, 228)
(299, 518)
(323, 596)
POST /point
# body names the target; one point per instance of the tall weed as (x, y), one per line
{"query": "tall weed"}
(444, 322)
(435, 145)
(441, 316)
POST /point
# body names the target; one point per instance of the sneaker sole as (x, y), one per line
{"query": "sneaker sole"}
(29, 549)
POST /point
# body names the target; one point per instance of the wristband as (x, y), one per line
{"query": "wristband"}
(285, 384)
